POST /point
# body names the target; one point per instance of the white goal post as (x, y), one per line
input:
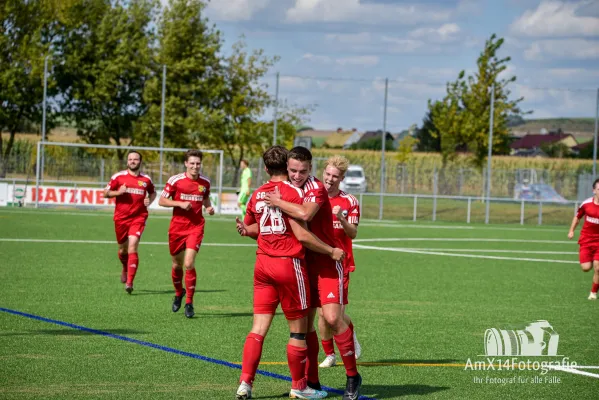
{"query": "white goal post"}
(40, 159)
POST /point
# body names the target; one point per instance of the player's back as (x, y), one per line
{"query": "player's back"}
(275, 237)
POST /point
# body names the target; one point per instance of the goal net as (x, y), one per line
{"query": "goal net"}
(75, 174)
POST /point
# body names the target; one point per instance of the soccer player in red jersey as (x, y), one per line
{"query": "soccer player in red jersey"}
(133, 192)
(346, 216)
(187, 193)
(326, 276)
(279, 276)
(589, 236)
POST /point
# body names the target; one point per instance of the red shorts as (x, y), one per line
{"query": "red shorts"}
(129, 227)
(588, 253)
(181, 240)
(281, 280)
(328, 284)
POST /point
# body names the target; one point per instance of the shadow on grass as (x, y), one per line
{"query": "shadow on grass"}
(395, 391)
(72, 332)
(144, 292)
(381, 391)
(390, 362)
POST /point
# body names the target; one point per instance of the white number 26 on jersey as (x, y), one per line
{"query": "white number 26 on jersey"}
(271, 222)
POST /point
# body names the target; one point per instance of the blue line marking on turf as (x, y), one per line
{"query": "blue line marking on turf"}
(160, 347)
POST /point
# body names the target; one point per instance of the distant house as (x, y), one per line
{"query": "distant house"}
(579, 147)
(338, 139)
(537, 140)
(375, 135)
(354, 138)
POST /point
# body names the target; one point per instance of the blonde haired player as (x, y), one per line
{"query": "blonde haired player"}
(346, 216)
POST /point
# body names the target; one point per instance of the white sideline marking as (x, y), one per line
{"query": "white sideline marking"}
(464, 240)
(493, 251)
(436, 253)
(114, 242)
(574, 370)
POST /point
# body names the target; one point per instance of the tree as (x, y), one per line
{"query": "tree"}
(428, 139)
(405, 149)
(461, 119)
(106, 50)
(236, 124)
(190, 49)
(25, 37)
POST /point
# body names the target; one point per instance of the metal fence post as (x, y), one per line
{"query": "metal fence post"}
(522, 212)
(575, 207)
(415, 207)
(276, 112)
(469, 209)
(44, 115)
(541, 212)
(435, 184)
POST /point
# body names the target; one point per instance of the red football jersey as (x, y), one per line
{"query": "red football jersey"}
(131, 203)
(275, 237)
(351, 210)
(322, 223)
(590, 230)
(182, 188)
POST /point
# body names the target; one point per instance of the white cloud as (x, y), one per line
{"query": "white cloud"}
(235, 10)
(350, 38)
(365, 61)
(580, 49)
(570, 73)
(317, 59)
(367, 13)
(444, 33)
(554, 19)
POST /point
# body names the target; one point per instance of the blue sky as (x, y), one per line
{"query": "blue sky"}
(335, 54)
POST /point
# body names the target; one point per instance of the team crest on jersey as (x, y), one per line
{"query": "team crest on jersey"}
(142, 183)
(201, 188)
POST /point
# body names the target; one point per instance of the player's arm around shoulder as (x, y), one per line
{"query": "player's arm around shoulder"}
(310, 241)
(295, 208)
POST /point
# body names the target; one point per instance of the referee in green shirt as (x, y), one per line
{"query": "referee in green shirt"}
(244, 190)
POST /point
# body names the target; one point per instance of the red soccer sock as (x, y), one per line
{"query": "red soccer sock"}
(177, 276)
(345, 344)
(296, 356)
(132, 265)
(595, 287)
(328, 347)
(124, 258)
(312, 363)
(252, 351)
(190, 284)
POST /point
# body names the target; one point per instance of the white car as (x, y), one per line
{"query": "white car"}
(355, 180)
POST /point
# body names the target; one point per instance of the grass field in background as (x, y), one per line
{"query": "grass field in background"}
(421, 299)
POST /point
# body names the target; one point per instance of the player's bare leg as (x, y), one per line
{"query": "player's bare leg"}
(297, 352)
(313, 349)
(190, 280)
(177, 277)
(132, 262)
(124, 258)
(252, 352)
(343, 336)
(326, 338)
(593, 294)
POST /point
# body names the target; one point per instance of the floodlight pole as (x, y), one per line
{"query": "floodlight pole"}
(162, 121)
(490, 152)
(44, 115)
(384, 137)
(276, 112)
(595, 137)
